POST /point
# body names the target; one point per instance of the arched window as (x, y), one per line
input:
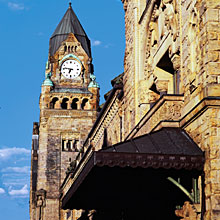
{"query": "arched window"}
(68, 48)
(72, 49)
(84, 104)
(68, 145)
(64, 103)
(74, 104)
(53, 103)
(75, 145)
(65, 48)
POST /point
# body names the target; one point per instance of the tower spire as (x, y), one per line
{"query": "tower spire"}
(70, 4)
(69, 24)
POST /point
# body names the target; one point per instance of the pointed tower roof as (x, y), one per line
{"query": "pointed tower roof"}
(69, 24)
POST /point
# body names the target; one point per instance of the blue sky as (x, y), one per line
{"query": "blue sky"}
(26, 26)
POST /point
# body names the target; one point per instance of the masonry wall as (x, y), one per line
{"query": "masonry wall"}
(109, 129)
(201, 68)
(53, 160)
(129, 80)
(205, 131)
(190, 35)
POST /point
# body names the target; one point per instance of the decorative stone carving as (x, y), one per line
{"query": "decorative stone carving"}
(176, 62)
(71, 167)
(106, 123)
(162, 86)
(93, 83)
(125, 2)
(44, 121)
(164, 20)
(170, 110)
(36, 129)
(40, 203)
(192, 35)
(153, 28)
(163, 29)
(160, 15)
(188, 212)
(171, 17)
(152, 97)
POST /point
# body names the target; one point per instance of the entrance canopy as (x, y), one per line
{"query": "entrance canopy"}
(134, 172)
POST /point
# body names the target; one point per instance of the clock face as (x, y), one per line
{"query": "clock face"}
(71, 69)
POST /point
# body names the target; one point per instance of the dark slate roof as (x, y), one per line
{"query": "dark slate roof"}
(168, 150)
(172, 141)
(69, 24)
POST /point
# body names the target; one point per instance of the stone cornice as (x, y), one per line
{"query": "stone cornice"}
(200, 108)
(160, 112)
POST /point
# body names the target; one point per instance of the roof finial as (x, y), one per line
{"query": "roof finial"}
(70, 3)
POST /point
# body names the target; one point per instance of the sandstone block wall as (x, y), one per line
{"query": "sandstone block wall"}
(129, 67)
(53, 160)
(189, 40)
(205, 131)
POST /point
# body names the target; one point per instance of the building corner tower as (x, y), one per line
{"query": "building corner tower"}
(68, 108)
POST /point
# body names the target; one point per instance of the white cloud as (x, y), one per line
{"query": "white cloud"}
(108, 45)
(16, 179)
(16, 6)
(2, 191)
(8, 152)
(40, 34)
(96, 43)
(21, 192)
(25, 169)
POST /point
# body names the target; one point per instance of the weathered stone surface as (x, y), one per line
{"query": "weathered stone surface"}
(68, 111)
(188, 212)
(172, 47)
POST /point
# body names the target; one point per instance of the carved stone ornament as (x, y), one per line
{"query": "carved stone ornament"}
(35, 128)
(168, 111)
(44, 121)
(188, 212)
(125, 3)
(193, 41)
(40, 203)
(164, 22)
(71, 167)
(40, 198)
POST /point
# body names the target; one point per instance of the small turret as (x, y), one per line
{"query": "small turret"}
(93, 83)
(94, 89)
(47, 81)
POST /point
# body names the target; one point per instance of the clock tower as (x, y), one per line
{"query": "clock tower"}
(68, 109)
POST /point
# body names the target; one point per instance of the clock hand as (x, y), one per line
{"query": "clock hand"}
(70, 70)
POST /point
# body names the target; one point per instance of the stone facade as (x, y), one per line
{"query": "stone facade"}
(171, 69)
(68, 110)
(171, 79)
(184, 34)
